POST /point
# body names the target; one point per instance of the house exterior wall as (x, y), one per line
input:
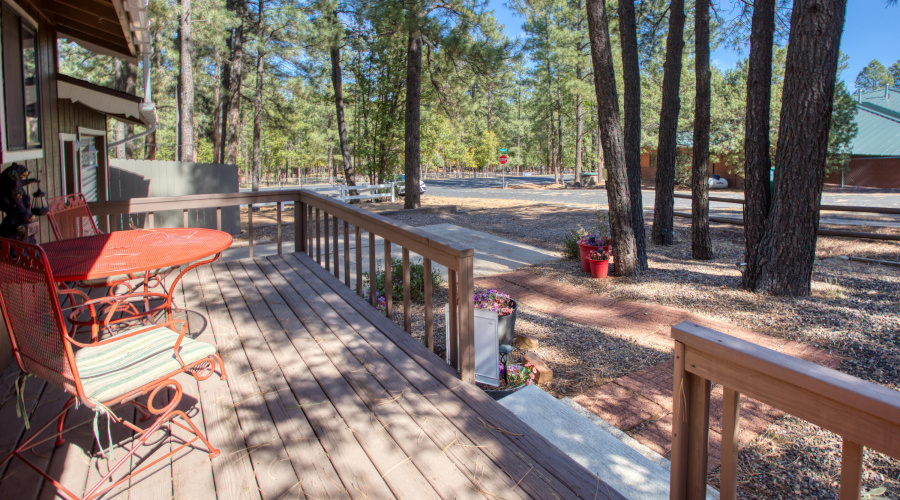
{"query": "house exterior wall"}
(57, 116)
(878, 173)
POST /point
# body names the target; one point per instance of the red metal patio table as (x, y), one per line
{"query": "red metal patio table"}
(134, 252)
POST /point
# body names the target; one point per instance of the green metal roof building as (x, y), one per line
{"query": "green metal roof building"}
(875, 151)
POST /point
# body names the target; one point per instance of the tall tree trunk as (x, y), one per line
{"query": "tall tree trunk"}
(559, 132)
(631, 75)
(613, 142)
(233, 122)
(787, 251)
(257, 112)
(186, 78)
(757, 160)
(337, 83)
(217, 110)
(664, 204)
(579, 128)
(701, 244)
(413, 103)
(126, 81)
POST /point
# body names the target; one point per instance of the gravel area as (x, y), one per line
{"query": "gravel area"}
(854, 311)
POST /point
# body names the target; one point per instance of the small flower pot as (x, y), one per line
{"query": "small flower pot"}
(506, 325)
(586, 250)
(599, 268)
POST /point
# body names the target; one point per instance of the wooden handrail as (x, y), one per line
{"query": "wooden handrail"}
(312, 227)
(863, 413)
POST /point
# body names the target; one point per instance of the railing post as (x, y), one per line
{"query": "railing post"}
(300, 226)
(690, 431)
(392, 191)
(466, 319)
(851, 469)
(453, 312)
(731, 418)
(388, 280)
(407, 314)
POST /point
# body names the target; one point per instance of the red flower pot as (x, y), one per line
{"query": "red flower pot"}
(586, 250)
(599, 268)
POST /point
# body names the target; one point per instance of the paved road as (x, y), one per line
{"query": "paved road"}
(489, 188)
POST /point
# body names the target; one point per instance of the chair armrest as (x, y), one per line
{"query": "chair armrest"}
(102, 311)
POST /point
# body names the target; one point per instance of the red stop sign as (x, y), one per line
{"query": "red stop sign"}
(503, 159)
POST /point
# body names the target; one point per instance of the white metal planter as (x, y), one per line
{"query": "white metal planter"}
(487, 346)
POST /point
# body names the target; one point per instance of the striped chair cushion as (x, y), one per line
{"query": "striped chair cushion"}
(115, 369)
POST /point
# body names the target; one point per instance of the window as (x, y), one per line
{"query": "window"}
(21, 95)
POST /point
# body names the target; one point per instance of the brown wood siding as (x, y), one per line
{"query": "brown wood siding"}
(56, 116)
(878, 173)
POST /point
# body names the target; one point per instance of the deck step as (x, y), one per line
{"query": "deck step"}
(629, 467)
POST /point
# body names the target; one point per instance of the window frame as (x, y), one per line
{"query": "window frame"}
(6, 155)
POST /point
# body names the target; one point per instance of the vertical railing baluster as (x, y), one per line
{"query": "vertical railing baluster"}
(150, 219)
(372, 269)
(466, 318)
(309, 229)
(851, 469)
(347, 254)
(300, 228)
(388, 280)
(219, 218)
(185, 219)
(250, 228)
(407, 313)
(429, 310)
(453, 312)
(358, 234)
(318, 239)
(731, 419)
(327, 242)
(278, 225)
(678, 477)
(337, 249)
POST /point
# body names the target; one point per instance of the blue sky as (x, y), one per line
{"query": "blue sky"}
(871, 31)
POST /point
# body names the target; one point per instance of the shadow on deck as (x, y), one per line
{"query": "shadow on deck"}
(325, 398)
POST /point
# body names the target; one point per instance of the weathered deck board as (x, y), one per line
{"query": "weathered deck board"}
(325, 398)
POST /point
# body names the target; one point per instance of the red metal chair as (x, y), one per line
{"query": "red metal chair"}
(102, 375)
(70, 217)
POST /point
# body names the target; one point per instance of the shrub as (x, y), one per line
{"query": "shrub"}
(570, 243)
(416, 281)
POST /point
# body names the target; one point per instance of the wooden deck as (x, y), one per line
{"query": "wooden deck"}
(325, 399)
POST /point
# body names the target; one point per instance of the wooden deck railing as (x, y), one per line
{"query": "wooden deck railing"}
(319, 222)
(862, 413)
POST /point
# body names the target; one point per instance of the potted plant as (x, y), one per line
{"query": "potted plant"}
(587, 244)
(516, 377)
(599, 262)
(504, 306)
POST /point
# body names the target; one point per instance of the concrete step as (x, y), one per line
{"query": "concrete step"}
(621, 462)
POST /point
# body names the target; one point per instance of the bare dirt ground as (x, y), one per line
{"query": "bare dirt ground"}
(853, 311)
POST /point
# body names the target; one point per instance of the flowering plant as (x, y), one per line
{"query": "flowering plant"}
(598, 255)
(517, 375)
(591, 240)
(494, 300)
(380, 301)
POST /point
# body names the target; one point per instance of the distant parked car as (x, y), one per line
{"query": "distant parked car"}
(401, 186)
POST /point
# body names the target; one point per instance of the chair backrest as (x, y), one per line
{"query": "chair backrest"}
(33, 316)
(70, 217)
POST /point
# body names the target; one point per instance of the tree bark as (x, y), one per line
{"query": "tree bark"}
(787, 250)
(701, 243)
(559, 131)
(664, 204)
(631, 74)
(217, 111)
(757, 160)
(233, 122)
(613, 142)
(186, 78)
(579, 129)
(413, 104)
(337, 83)
(257, 113)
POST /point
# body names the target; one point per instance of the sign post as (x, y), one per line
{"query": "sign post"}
(503, 160)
